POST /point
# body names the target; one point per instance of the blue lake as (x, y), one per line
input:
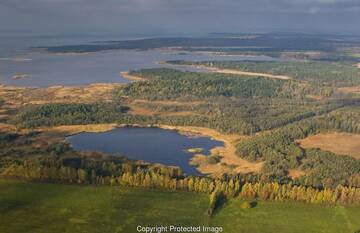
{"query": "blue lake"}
(153, 145)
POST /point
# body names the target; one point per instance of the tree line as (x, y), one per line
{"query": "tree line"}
(167, 84)
(124, 173)
(326, 73)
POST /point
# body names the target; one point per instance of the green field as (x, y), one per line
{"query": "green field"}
(52, 208)
(35, 207)
(271, 217)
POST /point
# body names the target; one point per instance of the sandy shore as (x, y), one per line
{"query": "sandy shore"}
(230, 163)
(126, 75)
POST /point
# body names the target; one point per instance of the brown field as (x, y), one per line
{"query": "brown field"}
(18, 96)
(338, 143)
(7, 128)
(137, 110)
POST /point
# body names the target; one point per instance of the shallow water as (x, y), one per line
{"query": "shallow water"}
(153, 145)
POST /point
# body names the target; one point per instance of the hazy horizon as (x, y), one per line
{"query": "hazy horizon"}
(149, 18)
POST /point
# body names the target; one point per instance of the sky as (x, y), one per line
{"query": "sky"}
(177, 17)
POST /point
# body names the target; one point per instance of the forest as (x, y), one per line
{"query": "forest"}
(172, 84)
(281, 152)
(67, 114)
(271, 114)
(325, 73)
(115, 171)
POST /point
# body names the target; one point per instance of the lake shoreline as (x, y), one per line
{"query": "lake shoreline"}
(230, 162)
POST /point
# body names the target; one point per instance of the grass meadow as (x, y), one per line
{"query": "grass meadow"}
(58, 208)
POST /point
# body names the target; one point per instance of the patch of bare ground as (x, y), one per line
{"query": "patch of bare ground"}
(3, 113)
(11, 95)
(18, 96)
(350, 90)
(181, 113)
(314, 97)
(295, 173)
(169, 102)
(242, 73)
(7, 128)
(137, 110)
(126, 75)
(83, 94)
(338, 143)
(229, 163)
(358, 65)
(75, 129)
(238, 72)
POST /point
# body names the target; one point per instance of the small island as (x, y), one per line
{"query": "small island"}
(20, 76)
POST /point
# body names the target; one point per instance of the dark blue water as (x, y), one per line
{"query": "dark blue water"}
(153, 145)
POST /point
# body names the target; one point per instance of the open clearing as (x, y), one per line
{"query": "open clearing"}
(351, 90)
(338, 143)
(238, 72)
(18, 96)
(230, 163)
(57, 208)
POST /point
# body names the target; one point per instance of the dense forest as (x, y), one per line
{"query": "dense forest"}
(172, 84)
(242, 116)
(329, 73)
(67, 114)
